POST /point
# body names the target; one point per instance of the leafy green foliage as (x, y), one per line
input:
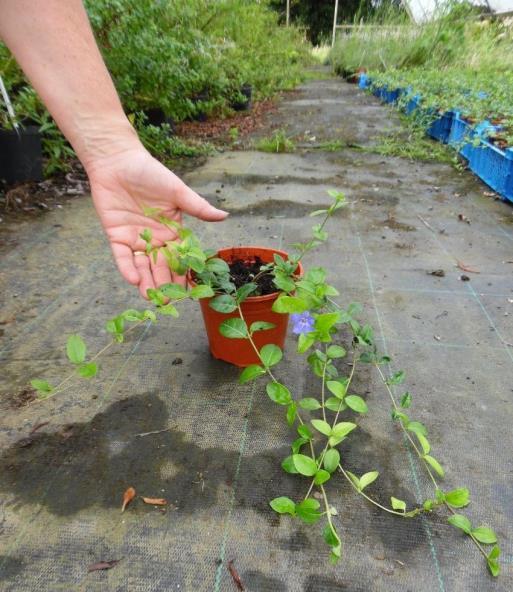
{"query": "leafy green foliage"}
(234, 329)
(314, 454)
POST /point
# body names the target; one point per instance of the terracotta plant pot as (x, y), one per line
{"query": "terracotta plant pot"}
(255, 308)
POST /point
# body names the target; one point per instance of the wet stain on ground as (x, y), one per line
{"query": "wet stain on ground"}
(255, 581)
(11, 567)
(91, 464)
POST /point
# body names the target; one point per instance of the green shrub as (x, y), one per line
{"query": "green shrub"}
(182, 56)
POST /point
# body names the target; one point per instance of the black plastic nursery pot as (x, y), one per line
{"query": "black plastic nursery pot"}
(21, 155)
(158, 118)
(246, 90)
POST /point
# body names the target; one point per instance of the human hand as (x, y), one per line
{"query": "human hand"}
(121, 185)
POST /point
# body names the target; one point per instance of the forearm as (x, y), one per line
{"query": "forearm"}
(53, 42)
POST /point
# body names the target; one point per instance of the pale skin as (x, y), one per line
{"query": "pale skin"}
(53, 42)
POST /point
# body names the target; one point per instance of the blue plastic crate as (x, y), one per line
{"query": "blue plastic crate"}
(494, 166)
(364, 81)
(412, 104)
(461, 136)
(440, 128)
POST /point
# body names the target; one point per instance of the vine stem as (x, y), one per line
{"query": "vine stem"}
(268, 370)
(355, 359)
(402, 515)
(58, 389)
(426, 466)
(405, 431)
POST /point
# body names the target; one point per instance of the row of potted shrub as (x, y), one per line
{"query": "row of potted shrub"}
(491, 163)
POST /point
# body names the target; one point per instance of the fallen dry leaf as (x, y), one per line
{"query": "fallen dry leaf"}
(466, 268)
(38, 426)
(235, 576)
(463, 218)
(103, 565)
(154, 501)
(128, 496)
(437, 272)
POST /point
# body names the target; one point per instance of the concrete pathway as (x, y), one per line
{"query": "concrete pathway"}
(217, 460)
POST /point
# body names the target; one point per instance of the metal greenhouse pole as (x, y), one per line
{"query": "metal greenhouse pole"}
(335, 15)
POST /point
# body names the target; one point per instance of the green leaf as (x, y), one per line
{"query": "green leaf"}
(291, 413)
(288, 465)
(423, 441)
(289, 304)
(305, 342)
(234, 329)
(458, 498)
(250, 373)
(406, 401)
(461, 522)
(485, 535)
(324, 322)
(493, 561)
(278, 393)
(398, 504)
(354, 479)
(146, 235)
(304, 465)
(76, 349)
(321, 477)
(270, 355)
(173, 291)
(338, 389)
(41, 386)
(335, 351)
(322, 426)
(329, 536)
(435, 464)
(343, 428)
(367, 479)
(88, 370)
(224, 303)
(201, 292)
(283, 282)
(331, 460)
(304, 431)
(156, 296)
(334, 404)
(309, 403)
(283, 505)
(168, 309)
(244, 291)
(318, 212)
(216, 265)
(261, 326)
(307, 510)
(298, 443)
(396, 378)
(417, 427)
(356, 403)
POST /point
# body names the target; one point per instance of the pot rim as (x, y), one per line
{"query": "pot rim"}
(249, 299)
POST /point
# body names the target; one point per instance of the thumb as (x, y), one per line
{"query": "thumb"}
(191, 203)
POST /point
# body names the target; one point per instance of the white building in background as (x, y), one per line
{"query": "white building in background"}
(424, 10)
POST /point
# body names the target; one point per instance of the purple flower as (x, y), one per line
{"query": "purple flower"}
(302, 323)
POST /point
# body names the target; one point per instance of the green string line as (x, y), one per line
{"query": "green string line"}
(242, 447)
(413, 469)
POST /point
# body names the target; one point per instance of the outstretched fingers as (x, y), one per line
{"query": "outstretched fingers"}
(191, 203)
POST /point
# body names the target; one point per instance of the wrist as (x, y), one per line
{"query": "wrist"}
(104, 138)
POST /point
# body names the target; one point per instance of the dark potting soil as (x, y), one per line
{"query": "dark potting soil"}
(243, 272)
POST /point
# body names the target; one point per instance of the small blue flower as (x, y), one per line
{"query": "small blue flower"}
(302, 323)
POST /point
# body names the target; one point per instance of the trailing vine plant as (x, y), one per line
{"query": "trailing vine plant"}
(322, 423)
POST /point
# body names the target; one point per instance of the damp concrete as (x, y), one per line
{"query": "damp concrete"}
(167, 419)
